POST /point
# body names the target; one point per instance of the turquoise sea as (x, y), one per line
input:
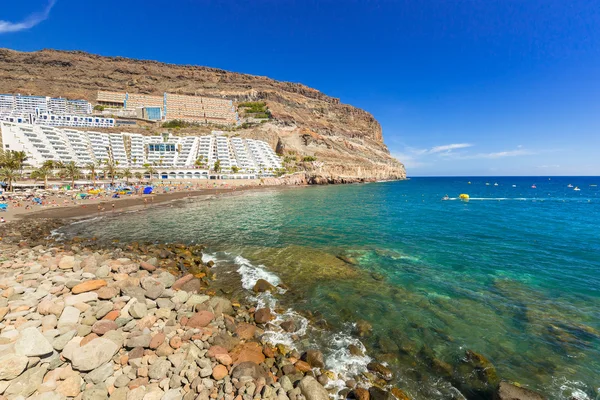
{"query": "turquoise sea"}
(513, 274)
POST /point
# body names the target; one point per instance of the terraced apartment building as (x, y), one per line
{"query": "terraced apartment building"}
(174, 157)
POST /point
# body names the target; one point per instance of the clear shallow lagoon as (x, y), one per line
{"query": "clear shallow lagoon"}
(514, 276)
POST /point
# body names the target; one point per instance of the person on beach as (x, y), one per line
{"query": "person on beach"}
(113, 207)
(2, 220)
(146, 202)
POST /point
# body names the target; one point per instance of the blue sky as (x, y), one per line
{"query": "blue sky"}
(481, 87)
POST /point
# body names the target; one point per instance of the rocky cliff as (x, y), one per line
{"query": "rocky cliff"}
(347, 142)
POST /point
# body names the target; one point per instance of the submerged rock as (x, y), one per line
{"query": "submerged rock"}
(263, 285)
(508, 391)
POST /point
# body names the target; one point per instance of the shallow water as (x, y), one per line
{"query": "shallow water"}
(513, 274)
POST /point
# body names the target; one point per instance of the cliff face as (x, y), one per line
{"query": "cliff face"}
(346, 141)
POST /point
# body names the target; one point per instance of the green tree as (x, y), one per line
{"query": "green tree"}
(9, 175)
(71, 171)
(150, 171)
(127, 174)
(217, 166)
(110, 169)
(235, 169)
(138, 176)
(200, 162)
(92, 168)
(42, 173)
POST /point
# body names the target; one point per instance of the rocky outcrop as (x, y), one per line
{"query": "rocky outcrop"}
(347, 142)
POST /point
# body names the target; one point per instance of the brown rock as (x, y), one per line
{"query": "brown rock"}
(137, 382)
(200, 319)
(113, 315)
(314, 358)
(269, 352)
(215, 350)
(508, 391)
(88, 286)
(181, 281)
(250, 351)
(302, 366)
(380, 370)
(107, 293)
(220, 372)
(103, 326)
(192, 286)
(136, 352)
(263, 316)
(175, 342)
(245, 331)
(399, 394)
(262, 285)
(224, 359)
(359, 394)
(147, 266)
(157, 340)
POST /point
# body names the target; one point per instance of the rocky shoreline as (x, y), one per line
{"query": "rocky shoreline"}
(143, 321)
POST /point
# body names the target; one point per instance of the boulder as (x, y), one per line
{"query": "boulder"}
(376, 393)
(248, 368)
(359, 394)
(220, 305)
(12, 365)
(153, 288)
(159, 369)
(200, 319)
(314, 358)
(508, 391)
(32, 343)
(263, 315)
(380, 370)
(103, 326)
(312, 390)
(262, 285)
(26, 383)
(93, 354)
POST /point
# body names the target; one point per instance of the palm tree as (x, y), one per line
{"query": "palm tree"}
(111, 170)
(20, 157)
(9, 175)
(200, 162)
(150, 171)
(138, 176)
(235, 169)
(126, 173)
(92, 168)
(72, 171)
(42, 173)
(51, 164)
(217, 166)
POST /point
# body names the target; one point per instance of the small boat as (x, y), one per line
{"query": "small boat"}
(496, 184)
(577, 189)
(569, 185)
(446, 197)
(487, 184)
(463, 196)
(533, 187)
(514, 185)
(469, 182)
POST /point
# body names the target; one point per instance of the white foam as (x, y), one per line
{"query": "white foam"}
(209, 257)
(250, 273)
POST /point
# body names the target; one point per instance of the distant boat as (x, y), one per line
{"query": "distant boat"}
(496, 184)
(577, 189)
(487, 184)
(592, 185)
(533, 187)
(569, 185)
(514, 185)
(469, 182)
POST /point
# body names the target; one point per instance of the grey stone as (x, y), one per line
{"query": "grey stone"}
(27, 382)
(32, 343)
(173, 394)
(122, 381)
(100, 374)
(508, 391)
(165, 303)
(154, 288)
(220, 305)
(159, 369)
(138, 341)
(119, 394)
(312, 390)
(285, 383)
(138, 310)
(166, 279)
(93, 354)
(12, 365)
(97, 392)
(69, 317)
(81, 298)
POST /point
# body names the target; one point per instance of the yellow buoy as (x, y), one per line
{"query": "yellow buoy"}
(463, 196)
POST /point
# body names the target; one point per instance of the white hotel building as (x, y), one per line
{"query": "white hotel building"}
(173, 157)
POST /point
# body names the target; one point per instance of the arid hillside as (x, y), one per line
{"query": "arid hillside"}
(347, 142)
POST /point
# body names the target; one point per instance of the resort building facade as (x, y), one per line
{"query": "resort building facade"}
(49, 111)
(166, 153)
(194, 109)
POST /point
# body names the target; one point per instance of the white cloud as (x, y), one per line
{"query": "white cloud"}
(449, 147)
(29, 22)
(501, 154)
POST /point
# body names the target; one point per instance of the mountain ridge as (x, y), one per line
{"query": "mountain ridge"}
(347, 141)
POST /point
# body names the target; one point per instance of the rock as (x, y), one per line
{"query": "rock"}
(26, 383)
(153, 288)
(103, 326)
(359, 394)
(121, 381)
(172, 394)
(200, 319)
(220, 305)
(380, 370)
(138, 341)
(147, 266)
(138, 310)
(71, 386)
(286, 383)
(81, 298)
(107, 293)
(93, 354)
(32, 343)
(100, 374)
(302, 366)
(97, 392)
(12, 365)
(88, 286)
(69, 317)
(288, 326)
(248, 368)
(66, 262)
(314, 358)
(177, 285)
(399, 394)
(245, 331)
(508, 391)
(263, 315)
(157, 340)
(364, 329)
(159, 369)
(355, 351)
(312, 390)
(224, 359)
(262, 285)
(167, 279)
(219, 372)
(250, 351)
(376, 393)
